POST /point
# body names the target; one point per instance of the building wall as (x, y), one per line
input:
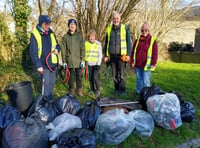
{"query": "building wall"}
(184, 34)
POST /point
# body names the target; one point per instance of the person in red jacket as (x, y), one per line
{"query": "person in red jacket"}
(144, 57)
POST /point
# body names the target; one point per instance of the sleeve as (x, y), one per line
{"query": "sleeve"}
(82, 50)
(154, 54)
(33, 51)
(105, 45)
(128, 41)
(63, 48)
(57, 45)
(100, 54)
(132, 53)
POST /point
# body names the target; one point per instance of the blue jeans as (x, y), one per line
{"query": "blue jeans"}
(49, 82)
(142, 79)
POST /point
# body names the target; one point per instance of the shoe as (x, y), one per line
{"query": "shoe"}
(79, 92)
(91, 92)
(123, 93)
(97, 93)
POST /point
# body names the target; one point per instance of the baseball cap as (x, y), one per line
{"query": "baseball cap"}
(44, 18)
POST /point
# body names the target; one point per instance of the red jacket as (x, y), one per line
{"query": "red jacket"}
(142, 49)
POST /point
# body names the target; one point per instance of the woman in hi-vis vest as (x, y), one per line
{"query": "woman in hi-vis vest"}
(144, 57)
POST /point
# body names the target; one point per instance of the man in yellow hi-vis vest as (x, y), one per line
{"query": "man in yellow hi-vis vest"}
(117, 51)
(43, 42)
(144, 57)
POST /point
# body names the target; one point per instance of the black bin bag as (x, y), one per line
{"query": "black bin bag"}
(147, 92)
(25, 133)
(76, 138)
(67, 104)
(187, 112)
(8, 115)
(45, 109)
(89, 115)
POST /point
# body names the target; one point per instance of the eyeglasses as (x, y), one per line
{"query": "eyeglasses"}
(144, 30)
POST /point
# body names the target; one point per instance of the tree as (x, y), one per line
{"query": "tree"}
(20, 11)
(6, 40)
(97, 14)
(162, 15)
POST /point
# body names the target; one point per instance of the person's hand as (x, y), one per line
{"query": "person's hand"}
(40, 69)
(127, 58)
(132, 65)
(106, 59)
(55, 51)
(82, 65)
(60, 61)
(65, 65)
(153, 67)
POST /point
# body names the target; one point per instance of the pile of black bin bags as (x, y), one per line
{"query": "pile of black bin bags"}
(63, 122)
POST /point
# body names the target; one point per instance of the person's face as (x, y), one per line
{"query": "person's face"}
(72, 27)
(144, 32)
(92, 38)
(116, 20)
(45, 26)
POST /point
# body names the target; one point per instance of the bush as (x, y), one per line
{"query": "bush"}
(175, 46)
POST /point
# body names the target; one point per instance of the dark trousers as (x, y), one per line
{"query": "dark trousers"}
(94, 77)
(118, 72)
(49, 82)
(76, 71)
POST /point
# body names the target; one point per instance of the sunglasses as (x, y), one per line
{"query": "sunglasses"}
(144, 30)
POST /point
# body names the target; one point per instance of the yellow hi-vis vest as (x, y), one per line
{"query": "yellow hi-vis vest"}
(38, 38)
(123, 43)
(149, 54)
(91, 52)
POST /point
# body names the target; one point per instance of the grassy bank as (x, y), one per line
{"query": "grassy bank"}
(180, 77)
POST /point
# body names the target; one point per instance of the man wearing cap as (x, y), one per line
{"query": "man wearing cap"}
(73, 55)
(144, 57)
(42, 43)
(117, 51)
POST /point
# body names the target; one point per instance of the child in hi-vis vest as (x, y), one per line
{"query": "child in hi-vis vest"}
(93, 58)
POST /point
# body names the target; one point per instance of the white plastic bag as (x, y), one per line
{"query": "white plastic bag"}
(144, 123)
(113, 127)
(62, 123)
(165, 110)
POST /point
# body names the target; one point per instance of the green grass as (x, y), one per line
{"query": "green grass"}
(180, 77)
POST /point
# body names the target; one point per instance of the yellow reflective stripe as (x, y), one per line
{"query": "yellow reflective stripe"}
(53, 47)
(108, 33)
(123, 40)
(123, 43)
(91, 52)
(149, 56)
(39, 41)
(38, 38)
(135, 50)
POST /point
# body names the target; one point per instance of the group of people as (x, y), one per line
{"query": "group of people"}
(77, 53)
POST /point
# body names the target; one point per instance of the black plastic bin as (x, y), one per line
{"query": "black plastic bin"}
(20, 95)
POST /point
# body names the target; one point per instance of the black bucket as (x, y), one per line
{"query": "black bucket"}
(20, 95)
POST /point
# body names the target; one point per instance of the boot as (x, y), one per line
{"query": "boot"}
(97, 93)
(72, 91)
(79, 92)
